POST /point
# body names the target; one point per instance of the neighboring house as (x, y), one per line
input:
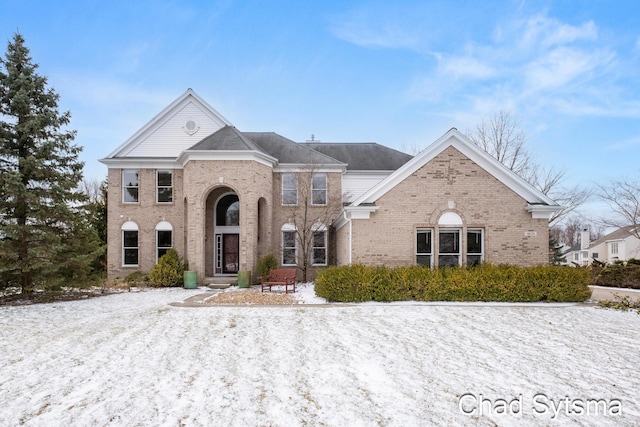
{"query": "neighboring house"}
(222, 198)
(619, 245)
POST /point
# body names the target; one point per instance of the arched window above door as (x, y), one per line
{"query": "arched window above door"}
(228, 211)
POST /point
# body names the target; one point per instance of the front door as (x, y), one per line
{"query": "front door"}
(230, 253)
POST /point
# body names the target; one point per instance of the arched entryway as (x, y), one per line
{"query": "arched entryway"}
(227, 234)
(223, 255)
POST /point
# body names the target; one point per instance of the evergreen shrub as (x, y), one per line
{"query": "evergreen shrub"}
(266, 263)
(169, 271)
(506, 283)
(618, 275)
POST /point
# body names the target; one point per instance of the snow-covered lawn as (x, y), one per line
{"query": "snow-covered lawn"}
(133, 360)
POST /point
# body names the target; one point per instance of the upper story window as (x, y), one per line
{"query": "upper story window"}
(319, 189)
(289, 189)
(130, 185)
(164, 186)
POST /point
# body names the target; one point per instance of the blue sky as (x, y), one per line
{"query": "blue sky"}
(398, 73)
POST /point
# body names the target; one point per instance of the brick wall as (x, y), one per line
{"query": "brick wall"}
(284, 214)
(147, 213)
(451, 182)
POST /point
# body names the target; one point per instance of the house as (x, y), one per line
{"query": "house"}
(221, 197)
(619, 245)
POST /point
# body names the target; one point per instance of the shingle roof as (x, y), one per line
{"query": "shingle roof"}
(362, 155)
(357, 156)
(226, 138)
(619, 234)
(288, 151)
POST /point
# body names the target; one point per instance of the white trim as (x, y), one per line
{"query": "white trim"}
(159, 119)
(125, 187)
(321, 228)
(295, 243)
(141, 163)
(164, 226)
(282, 189)
(450, 219)
(359, 212)
(542, 211)
(459, 141)
(129, 226)
(288, 227)
(325, 189)
(229, 155)
(306, 167)
(170, 171)
(459, 253)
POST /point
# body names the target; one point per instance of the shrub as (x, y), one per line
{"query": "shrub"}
(617, 275)
(621, 302)
(266, 263)
(482, 283)
(137, 278)
(169, 271)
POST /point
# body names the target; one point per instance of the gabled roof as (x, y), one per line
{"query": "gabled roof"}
(619, 234)
(227, 138)
(165, 136)
(363, 156)
(538, 202)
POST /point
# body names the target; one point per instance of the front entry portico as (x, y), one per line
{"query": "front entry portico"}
(222, 234)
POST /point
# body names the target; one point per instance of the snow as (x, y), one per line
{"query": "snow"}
(131, 359)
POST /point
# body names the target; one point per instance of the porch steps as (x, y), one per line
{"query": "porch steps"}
(220, 282)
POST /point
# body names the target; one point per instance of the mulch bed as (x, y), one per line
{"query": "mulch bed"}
(44, 297)
(252, 296)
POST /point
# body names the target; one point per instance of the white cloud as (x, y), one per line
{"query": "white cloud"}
(388, 35)
(466, 67)
(560, 67)
(543, 31)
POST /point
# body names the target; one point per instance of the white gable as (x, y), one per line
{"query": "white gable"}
(540, 205)
(182, 124)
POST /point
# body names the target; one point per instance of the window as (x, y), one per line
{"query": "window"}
(228, 211)
(424, 247)
(595, 255)
(319, 189)
(289, 189)
(129, 244)
(319, 249)
(576, 256)
(448, 248)
(164, 186)
(130, 186)
(164, 238)
(289, 248)
(614, 248)
(474, 247)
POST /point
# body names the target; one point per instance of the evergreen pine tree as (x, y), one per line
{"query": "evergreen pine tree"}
(45, 239)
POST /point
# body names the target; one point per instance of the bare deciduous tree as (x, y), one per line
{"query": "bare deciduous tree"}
(500, 135)
(312, 215)
(623, 198)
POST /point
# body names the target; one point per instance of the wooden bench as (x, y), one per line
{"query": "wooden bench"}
(279, 277)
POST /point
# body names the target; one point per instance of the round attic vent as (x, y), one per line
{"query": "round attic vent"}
(191, 127)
